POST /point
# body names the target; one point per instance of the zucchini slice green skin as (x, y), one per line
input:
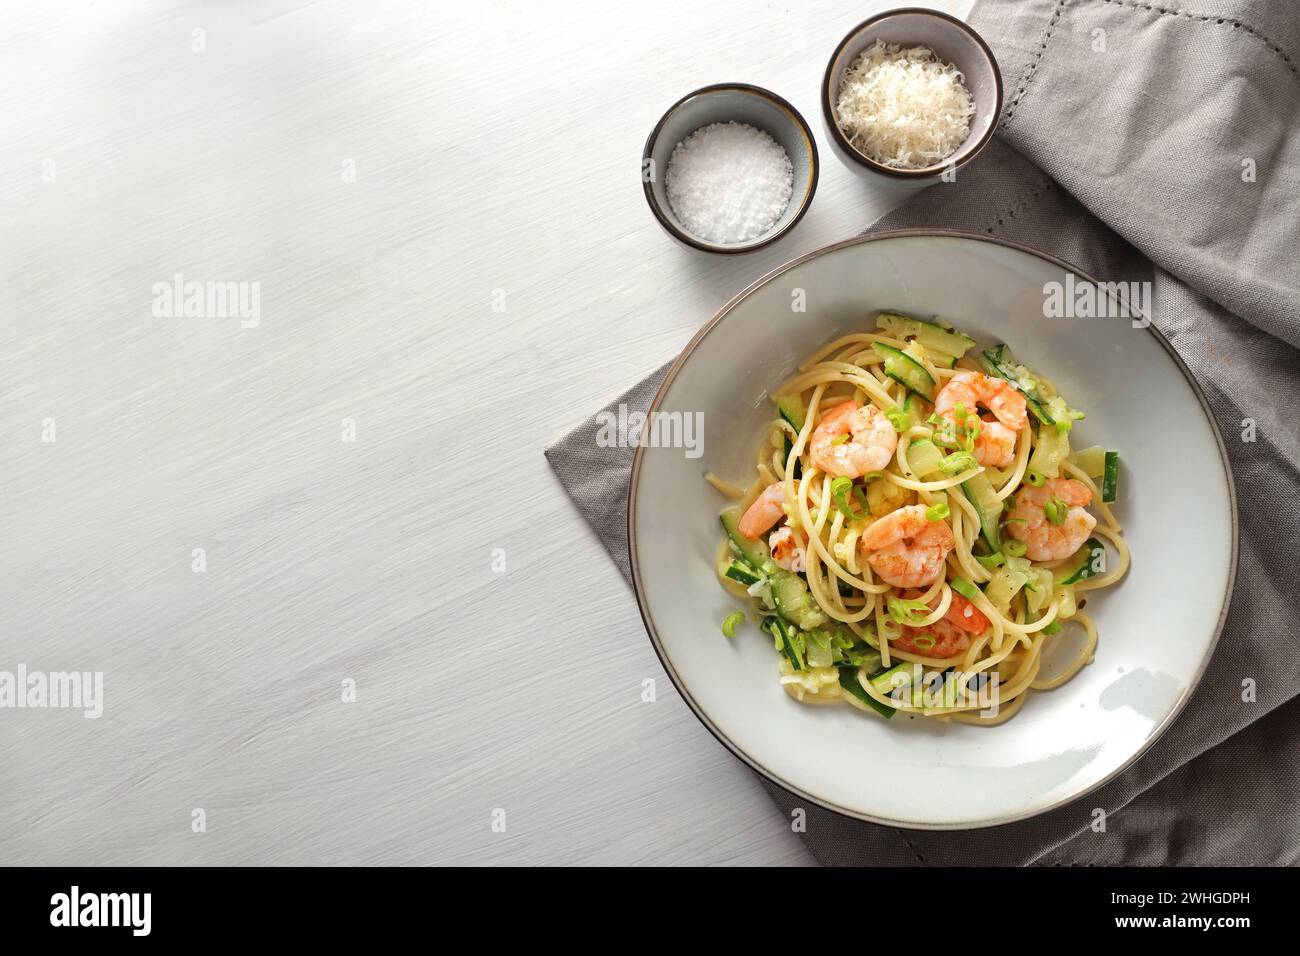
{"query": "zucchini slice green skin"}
(780, 630)
(1085, 562)
(901, 367)
(1110, 477)
(979, 492)
(742, 573)
(790, 595)
(897, 676)
(790, 410)
(849, 681)
(754, 553)
(931, 335)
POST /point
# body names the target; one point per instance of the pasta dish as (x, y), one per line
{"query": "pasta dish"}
(918, 529)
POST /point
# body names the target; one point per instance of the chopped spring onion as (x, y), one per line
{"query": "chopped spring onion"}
(1014, 548)
(1035, 479)
(957, 462)
(1056, 510)
(899, 418)
(732, 619)
(840, 439)
(965, 588)
(841, 487)
(924, 642)
(994, 560)
(902, 611)
(937, 512)
(1052, 628)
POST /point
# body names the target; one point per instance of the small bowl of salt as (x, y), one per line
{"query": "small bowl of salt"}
(729, 168)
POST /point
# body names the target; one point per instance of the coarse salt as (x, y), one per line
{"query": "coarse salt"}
(729, 182)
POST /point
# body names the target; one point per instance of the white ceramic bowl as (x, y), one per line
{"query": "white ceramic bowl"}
(727, 103)
(1157, 628)
(953, 42)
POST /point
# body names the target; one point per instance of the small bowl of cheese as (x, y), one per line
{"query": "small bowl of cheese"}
(910, 97)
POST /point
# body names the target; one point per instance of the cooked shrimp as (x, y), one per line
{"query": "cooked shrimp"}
(995, 445)
(969, 389)
(950, 634)
(1045, 540)
(966, 615)
(768, 508)
(868, 444)
(906, 548)
(949, 640)
(787, 548)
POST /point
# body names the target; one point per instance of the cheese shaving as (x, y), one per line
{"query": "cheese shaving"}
(904, 107)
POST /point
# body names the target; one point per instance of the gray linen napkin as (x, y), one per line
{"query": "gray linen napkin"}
(1155, 144)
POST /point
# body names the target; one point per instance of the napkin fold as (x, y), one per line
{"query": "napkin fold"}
(1142, 143)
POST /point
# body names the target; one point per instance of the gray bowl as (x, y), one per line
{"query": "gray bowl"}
(722, 103)
(953, 42)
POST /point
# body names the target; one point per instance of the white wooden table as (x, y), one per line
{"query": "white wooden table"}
(438, 205)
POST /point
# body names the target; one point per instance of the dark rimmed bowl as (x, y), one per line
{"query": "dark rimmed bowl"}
(722, 103)
(953, 42)
(1157, 628)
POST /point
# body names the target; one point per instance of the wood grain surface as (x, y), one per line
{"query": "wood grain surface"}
(439, 208)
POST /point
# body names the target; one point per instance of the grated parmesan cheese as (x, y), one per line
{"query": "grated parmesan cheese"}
(903, 106)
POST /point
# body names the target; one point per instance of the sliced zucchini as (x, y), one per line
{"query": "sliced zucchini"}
(1084, 563)
(866, 657)
(1051, 447)
(937, 338)
(1091, 460)
(754, 553)
(791, 409)
(1110, 477)
(903, 368)
(786, 642)
(1066, 604)
(1062, 413)
(798, 465)
(1005, 585)
(817, 649)
(743, 573)
(924, 456)
(980, 493)
(915, 413)
(794, 603)
(999, 362)
(852, 684)
(898, 676)
(1038, 589)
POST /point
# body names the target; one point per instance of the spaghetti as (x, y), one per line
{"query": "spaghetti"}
(916, 534)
